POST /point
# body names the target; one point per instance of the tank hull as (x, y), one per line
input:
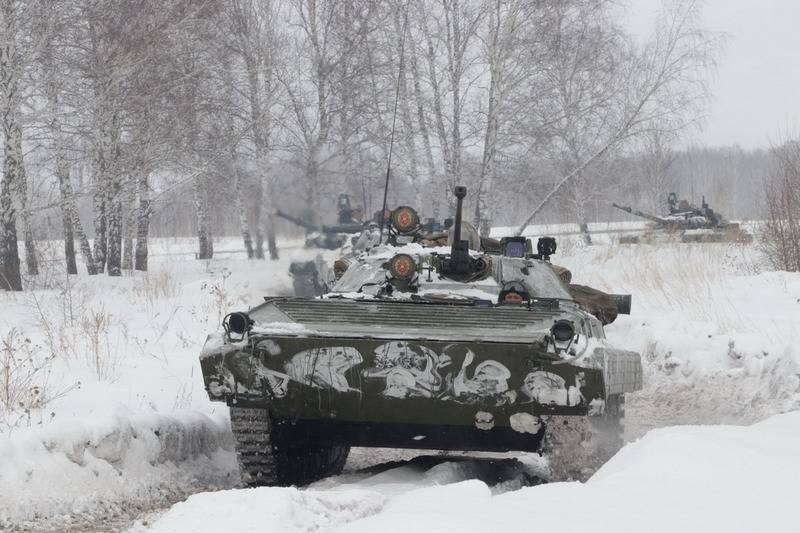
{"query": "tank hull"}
(732, 235)
(406, 393)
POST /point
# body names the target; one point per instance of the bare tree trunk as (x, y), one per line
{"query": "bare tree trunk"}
(129, 225)
(10, 276)
(502, 27)
(31, 264)
(244, 229)
(579, 200)
(272, 244)
(405, 107)
(73, 229)
(142, 222)
(205, 247)
(483, 215)
(257, 194)
(70, 210)
(438, 113)
(100, 200)
(70, 214)
(423, 129)
(69, 233)
(114, 259)
(115, 194)
(269, 223)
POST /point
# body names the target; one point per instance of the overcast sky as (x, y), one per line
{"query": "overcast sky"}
(756, 91)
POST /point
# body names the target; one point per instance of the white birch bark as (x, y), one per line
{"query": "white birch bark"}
(10, 277)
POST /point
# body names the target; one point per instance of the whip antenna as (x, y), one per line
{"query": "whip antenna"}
(394, 122)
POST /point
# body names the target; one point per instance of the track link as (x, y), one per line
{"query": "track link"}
(252, 433)
(263, 462)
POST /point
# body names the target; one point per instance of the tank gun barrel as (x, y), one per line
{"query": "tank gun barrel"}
(354, 227)
(299, 221)
(638, 213)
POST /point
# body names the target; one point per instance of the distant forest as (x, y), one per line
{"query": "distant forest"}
(129, 120)
(731, 179)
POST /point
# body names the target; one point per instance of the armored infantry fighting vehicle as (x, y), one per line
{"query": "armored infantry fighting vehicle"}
(686, 223)
(471, 345)
(310, 277)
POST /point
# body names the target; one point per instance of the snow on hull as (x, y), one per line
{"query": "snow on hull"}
(707, 479)
(80, 473)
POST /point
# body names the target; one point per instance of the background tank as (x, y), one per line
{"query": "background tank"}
(330, 236)
(310, 278)
(686, 223)
(419, 345)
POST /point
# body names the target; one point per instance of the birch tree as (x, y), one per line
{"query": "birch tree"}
(13, 174)
(311, 84)
(253, 39)
(507, 51)
(662, 82)
(449, 31)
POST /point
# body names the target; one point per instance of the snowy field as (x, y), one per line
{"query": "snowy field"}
(104, 419)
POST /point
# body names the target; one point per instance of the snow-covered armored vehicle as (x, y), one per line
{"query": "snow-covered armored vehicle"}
(686, 223)
(420, 345)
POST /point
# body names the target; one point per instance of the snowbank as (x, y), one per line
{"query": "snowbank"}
(111, 467)
(724, 479)
(720, 338)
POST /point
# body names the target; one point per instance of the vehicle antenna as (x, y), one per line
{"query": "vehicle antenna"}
(394, 122)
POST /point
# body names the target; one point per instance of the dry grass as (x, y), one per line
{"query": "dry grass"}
(154, 286)
(693, 280)
(25, 385)
(77, 332)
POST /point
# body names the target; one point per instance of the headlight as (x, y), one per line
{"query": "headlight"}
(238, 323)
(563, 330)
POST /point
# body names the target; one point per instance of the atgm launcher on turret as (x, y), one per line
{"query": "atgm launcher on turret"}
(686, 223)
(442, 341)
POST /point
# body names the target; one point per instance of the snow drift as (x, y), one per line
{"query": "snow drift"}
(111, 467)
(705, 479)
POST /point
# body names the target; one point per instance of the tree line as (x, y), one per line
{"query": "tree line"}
(116, 111)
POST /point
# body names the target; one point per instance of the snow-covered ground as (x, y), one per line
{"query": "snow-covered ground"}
(104, 415)
(723, 479)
